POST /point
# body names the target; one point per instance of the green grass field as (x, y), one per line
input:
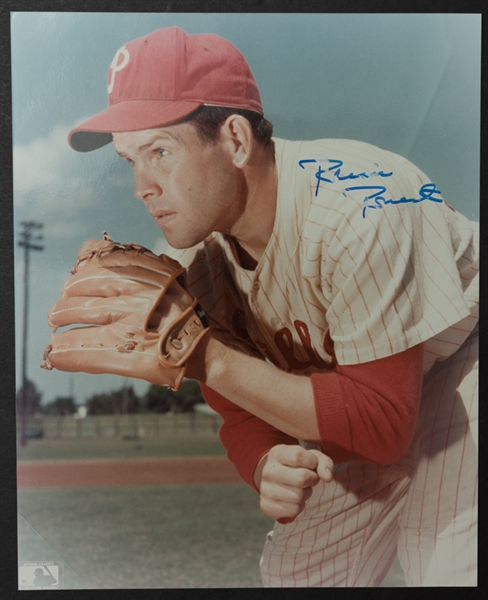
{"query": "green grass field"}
(141, 536)
(193, 536)
(198, 536)
(112, 447)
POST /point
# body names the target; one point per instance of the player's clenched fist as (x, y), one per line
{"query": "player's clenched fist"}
(138, 315)
(286, 477)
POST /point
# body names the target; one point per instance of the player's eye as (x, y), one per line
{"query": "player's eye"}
(161, 152)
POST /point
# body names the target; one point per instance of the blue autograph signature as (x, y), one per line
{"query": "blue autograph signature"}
(335, 171)
(376, 199)
(426, 192)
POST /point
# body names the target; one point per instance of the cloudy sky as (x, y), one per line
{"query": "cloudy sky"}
(407, 83)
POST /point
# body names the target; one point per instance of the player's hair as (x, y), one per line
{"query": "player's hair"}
(208, 120)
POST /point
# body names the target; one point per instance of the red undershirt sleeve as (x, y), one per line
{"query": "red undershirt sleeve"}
(245, 437)
(369, 411)
(364, 412)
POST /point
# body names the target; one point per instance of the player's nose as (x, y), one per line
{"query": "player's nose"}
(147, 188)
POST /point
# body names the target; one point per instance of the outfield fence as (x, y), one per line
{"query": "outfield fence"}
(128, 426)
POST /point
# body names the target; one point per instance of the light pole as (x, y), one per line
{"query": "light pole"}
(26, 240)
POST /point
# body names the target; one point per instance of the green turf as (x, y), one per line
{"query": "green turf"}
(112, 447)
(197, 536)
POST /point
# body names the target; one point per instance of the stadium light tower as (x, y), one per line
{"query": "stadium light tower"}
(26, 241)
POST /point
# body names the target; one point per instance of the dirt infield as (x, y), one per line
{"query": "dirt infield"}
(162, 471)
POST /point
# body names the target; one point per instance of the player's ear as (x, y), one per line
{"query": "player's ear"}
(236, 134)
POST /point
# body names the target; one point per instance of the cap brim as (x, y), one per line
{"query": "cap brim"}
(132, 115)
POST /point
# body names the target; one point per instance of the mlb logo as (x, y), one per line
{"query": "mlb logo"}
(39, 576)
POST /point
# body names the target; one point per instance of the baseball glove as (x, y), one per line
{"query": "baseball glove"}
(142, 320)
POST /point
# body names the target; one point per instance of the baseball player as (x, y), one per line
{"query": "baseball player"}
(341, 291)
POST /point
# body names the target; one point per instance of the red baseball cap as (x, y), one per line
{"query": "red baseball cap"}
(164, 76)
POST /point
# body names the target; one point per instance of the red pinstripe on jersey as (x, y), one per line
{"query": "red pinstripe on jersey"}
(350, 529)
(367, 280)
(379, 282)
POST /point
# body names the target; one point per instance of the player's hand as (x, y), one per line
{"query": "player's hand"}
(286, 477)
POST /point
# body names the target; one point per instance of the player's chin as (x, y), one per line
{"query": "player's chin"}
(182, 240)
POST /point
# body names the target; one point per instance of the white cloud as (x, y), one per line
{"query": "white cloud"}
(42, 162)
(53, 182)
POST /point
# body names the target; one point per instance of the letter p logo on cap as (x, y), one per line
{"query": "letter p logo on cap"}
(115, 66)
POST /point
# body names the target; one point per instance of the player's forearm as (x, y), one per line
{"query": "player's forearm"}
(282, 399)
(358, 412)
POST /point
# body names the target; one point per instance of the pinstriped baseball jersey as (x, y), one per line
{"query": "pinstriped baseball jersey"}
(364, 252)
